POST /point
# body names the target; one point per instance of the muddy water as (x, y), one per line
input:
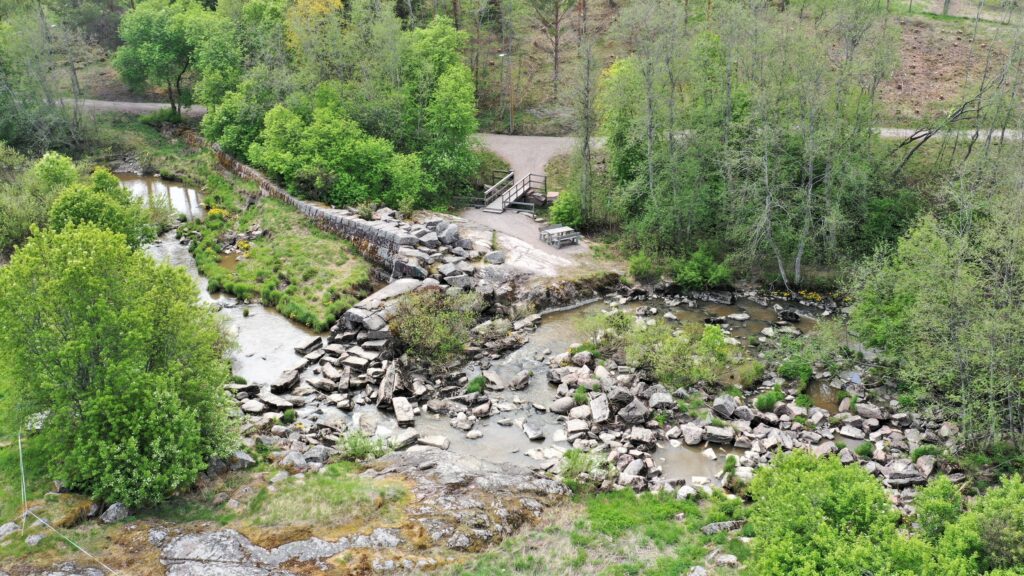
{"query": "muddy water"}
(184, 200)
(266, 340)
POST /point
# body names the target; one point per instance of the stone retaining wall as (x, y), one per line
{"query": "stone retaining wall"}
(379, 241)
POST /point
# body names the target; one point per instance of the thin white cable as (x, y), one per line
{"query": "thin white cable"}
(75, 544)
(24, 492)
(26, 512)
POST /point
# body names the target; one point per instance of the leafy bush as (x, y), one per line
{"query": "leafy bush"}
(643, 267)
(26, 199)
(838, 517)
(107, 204)
(124, 359)
(700, 272)
(936, 506)
(582, 471)
(991, 532)
(579, 396)
(358, 446)
(692, 354)
(434, 326)
(924, 449)
(751, 373)
(567, 210)
(330, 158)
(288, 416)
(797, 369)
(865, 450)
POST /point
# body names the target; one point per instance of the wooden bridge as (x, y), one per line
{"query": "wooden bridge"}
(509, 193)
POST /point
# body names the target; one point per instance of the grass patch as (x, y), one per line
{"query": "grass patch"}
(477, 384)
(335, 497)
(308, 275)
(36, 478)
(766, 401)
(616, 533)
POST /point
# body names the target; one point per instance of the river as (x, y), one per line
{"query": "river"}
(266, 339)
(266, 342)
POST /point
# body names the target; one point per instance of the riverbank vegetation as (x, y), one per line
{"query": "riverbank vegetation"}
(116, 362)
(275, 255)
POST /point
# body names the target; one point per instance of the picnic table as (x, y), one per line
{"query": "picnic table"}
(560, 236)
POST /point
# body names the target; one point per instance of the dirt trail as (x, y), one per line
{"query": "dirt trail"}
(194, 111)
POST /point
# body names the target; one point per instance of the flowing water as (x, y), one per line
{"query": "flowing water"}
(266, 339)
(184, 200)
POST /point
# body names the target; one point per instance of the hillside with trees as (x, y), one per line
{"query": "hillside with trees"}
(787, 335)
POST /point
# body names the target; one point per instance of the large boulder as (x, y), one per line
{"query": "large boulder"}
(724, 406)
(692, 434)
(719, 434)
(636, 412)
(116, 513)
(599, 410)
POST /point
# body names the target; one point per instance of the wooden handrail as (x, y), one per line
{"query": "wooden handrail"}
(491, 193)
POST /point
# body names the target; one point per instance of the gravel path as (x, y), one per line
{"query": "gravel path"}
(527, 154)
(194, 111)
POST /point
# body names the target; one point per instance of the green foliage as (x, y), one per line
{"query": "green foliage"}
(678, 358)
(991, 532)
(358, 446)
(450, 123)
(434, 326)
(124, 359)
(838, 517)
(332, 159)
(582, 471)
(804, 401)
(700, 272)
(797, 369)
(157, 49)
(26, 197)
(105, 203)
(930, 449)
(730, 464)
(936, 506)
(865, 450)
(939, 304)
(643, 267)
(766, 401)
(750, 373)
(567, 210)
(579, 396)
(476, 385)
(288, 416)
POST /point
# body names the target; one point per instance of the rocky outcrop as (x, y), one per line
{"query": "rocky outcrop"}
(464, 503)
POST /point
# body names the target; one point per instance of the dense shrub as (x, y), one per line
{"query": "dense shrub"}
(796, 368)
(700, 272)
(331, 158)
(107, 204)
(815, 516)
(566, 210)
(434, 326)
(991, 532)
(26, 198)
(118, 352)
(643, 267)
(936, 506)
(766, 401)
